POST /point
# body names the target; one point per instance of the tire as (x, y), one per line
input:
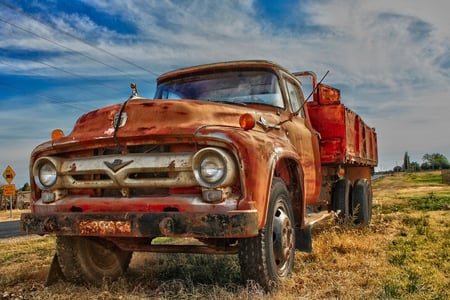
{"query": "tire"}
(269, 258)
(90, 260)
(341, 198)
(362, 201)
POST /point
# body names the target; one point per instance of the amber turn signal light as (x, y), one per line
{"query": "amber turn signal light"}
(247, 121)
(57, 134)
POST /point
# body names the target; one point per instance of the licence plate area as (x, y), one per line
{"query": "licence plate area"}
(104, 227)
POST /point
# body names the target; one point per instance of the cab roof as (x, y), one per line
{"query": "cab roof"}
(247, 64)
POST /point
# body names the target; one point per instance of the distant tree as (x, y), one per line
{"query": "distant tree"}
(414, 166)
(406, 163)
(435, 161)
(397, 169)
(425, 166)
(26, 187)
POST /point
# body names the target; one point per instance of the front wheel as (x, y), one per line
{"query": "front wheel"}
(90, 260)
(269, 258)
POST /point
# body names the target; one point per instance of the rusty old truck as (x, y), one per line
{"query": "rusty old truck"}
(231, 157)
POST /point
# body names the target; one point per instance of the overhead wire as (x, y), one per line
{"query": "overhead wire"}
(57, 44)
(21, 28)
(59, 101)
(52, 66)
(65, 71)
(49, 25)
(47, 98)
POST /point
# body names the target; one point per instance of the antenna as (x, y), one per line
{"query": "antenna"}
(306, 100)
(312, 92)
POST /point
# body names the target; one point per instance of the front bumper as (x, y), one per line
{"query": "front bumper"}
(233, 224)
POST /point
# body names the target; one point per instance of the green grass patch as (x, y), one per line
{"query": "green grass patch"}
(419, 257)
(432, 201)
(403, 254)
(21, 260)
(424, 178)
(21, 251)
(162, 240)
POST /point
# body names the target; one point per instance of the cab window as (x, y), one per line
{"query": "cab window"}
(245, 87)
(295, 97)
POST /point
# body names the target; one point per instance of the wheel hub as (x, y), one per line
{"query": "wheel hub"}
(282, 239)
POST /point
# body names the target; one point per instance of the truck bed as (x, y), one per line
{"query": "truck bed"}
(345, 138)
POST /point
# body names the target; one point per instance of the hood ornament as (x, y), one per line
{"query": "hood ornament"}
(117, 164)
(134, 92)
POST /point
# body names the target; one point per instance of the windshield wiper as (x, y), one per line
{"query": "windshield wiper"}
(260, 103)
(227, 102)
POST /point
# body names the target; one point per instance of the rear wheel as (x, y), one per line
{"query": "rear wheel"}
(91, 260)
(341, 198)
(362, 201)
(269, 257)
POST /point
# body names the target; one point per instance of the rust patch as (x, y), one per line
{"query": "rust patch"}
(73, 167)
(147, 104)
(146, 128)
(104, 227)
(172, 166)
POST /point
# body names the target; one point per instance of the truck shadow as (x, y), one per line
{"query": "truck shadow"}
(175, 271)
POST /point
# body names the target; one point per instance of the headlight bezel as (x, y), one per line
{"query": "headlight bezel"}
(45, 173)
(214, 167)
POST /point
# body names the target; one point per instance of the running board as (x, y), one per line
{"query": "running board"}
(303, 239)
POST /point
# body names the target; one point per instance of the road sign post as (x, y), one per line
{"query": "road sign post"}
(9, 174)
(10, 189)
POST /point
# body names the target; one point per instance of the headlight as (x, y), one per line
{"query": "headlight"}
(45, 174)
(214, 167)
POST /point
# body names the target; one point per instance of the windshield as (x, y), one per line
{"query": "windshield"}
(246, 87)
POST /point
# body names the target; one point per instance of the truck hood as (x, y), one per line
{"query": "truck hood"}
(156, 117)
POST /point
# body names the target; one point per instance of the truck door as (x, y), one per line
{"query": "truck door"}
(305, 140)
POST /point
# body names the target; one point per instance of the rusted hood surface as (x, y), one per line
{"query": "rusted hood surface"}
(154, 117)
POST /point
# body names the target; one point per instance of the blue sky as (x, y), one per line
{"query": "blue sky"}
(59, 59)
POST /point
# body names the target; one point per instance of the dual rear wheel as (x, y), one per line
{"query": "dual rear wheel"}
(353, 202)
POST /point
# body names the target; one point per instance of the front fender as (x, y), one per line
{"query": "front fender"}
(257, 153)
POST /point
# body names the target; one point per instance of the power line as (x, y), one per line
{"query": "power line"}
(59, 45)
(46, 98)
(76, 38)
(73, 74)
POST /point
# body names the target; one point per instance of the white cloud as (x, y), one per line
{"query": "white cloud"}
(377, 41)
(391, 58)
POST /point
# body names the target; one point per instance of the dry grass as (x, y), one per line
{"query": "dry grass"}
(402, 255)
(9, 215)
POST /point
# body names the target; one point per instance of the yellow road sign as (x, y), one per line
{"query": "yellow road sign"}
(9, 190)
(9, 174)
